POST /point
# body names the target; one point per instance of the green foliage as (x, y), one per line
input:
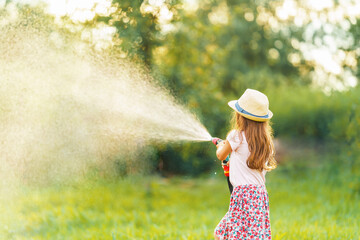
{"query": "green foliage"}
(301, 112)
(354, 48)
(352, 154)
(206, 62)
(187, 158)
(137, 30)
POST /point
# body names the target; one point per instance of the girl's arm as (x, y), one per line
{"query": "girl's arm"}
(223, 150)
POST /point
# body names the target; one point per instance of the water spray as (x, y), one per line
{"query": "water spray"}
(65, 108)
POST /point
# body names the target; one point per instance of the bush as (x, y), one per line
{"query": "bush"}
(302, 112)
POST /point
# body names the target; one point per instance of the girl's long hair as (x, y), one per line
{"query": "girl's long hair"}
(259, 136)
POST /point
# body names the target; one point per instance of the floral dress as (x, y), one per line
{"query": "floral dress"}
(248, 214)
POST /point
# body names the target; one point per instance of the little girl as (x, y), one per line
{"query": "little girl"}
(252, 155)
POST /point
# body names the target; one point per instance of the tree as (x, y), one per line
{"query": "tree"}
(137, 29)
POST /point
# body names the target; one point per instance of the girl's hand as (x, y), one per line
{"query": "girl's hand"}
(220, 144)
(223, 150)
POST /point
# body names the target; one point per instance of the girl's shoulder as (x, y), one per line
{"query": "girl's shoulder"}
(232, 132)
(235, 136)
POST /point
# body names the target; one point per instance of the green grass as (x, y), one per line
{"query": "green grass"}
(304, 204)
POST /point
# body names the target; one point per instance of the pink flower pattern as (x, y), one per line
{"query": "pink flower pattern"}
(248, 215)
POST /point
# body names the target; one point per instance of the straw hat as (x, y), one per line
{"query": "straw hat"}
(253, 105)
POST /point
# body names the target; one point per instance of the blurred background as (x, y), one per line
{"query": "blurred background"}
(304, 55)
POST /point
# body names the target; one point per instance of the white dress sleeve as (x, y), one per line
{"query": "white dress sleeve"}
(234, 138)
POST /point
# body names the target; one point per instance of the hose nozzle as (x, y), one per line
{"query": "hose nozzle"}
(216, 140)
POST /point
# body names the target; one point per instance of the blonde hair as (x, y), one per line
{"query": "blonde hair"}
(259, 136)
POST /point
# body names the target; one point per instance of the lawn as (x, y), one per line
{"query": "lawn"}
(178, 208)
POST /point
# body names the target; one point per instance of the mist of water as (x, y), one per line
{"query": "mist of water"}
(63, 106)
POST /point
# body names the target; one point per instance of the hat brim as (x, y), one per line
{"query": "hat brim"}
(257, 119)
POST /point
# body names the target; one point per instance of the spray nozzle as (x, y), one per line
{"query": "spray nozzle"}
(216, 140)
